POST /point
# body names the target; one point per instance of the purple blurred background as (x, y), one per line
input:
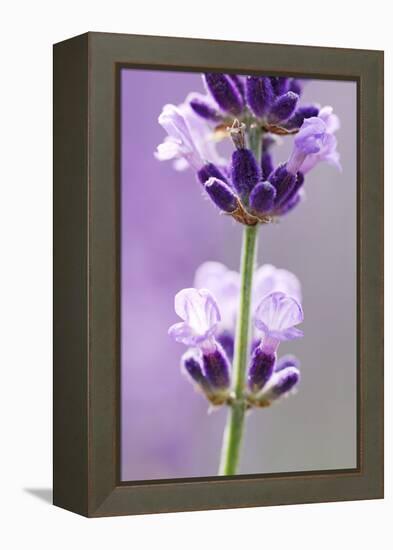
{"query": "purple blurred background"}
(168, 230)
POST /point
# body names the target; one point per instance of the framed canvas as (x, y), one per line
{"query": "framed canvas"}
(218, 274)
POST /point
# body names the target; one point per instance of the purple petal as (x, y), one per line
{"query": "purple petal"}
(200, 313)
(277, 314)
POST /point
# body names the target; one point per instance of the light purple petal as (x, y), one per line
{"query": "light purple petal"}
(268, 279)
(311, 135)
(189, 138)
(276, 314)
(200, 313)
(330, 119)
(224, 285)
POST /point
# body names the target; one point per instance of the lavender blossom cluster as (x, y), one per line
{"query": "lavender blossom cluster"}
(252, 109)
(208, 314)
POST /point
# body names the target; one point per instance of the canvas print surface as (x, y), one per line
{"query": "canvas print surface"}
(238, 274)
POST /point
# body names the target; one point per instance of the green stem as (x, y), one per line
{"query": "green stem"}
(235, 423)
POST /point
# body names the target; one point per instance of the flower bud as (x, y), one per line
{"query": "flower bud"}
(280, 384)
(283, 107)
(204, 109)
(266, 165)
(216, 368)
(221, 194)
(300, 115)
(259, 94)
(225, 92)
(210, 170)
(238, 82)
(227, 341)
(245, 171)
(286, 380)
(261, 369)
(295, 86)
(280, 84)
(289, 204)
(287, 361)
(262, 197)
(283, 181)
(192, 366)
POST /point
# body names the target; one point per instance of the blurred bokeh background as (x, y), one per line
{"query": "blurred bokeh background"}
(167, 231)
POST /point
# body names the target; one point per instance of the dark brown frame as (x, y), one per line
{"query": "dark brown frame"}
(86, 275)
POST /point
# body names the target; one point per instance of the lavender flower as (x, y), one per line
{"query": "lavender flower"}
(250, 189)
(207, 363)
(276, 317)
(200, 314)
(315, 143)
(224, 285)
(188, 142)
(268, 379)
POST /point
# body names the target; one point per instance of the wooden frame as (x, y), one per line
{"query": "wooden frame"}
(86, 275)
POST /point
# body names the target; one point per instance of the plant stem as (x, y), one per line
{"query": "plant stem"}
(235, 422)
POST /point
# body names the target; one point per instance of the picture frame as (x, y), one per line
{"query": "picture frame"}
(86, 386)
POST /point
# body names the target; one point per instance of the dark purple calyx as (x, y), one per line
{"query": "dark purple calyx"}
(283, 108)
(280, 84)
(227, 341)
(283, 181)
(216, 369)
(259, 94)
(293, 198)
(238, 82)
(262, 197)
(287, 380)
(210, 170)
(261, 369)
(287, 361)
(300, 115)
(225, 93)
(221, 194)
(204, 110)
(266, 165)
(295, 86)
(245, 172)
